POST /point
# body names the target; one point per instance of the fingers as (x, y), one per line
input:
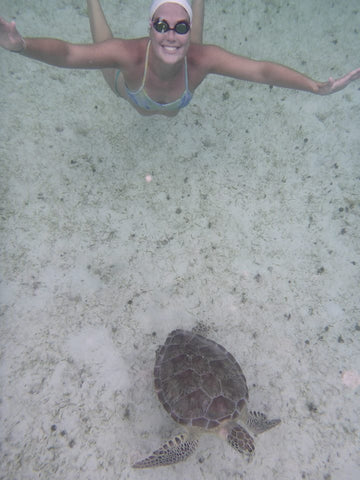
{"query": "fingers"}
(355, 74)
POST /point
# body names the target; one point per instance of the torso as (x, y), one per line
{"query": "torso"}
(162, 91)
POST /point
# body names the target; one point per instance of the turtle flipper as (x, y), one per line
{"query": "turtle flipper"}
(175, 450)
(258, 422)
(241, 441)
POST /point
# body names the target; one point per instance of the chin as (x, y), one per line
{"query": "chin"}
(172, 57)
(171, 54)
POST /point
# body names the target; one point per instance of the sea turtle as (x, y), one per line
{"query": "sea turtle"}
(202, 387)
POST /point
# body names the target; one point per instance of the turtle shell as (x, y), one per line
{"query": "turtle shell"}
(198, 382)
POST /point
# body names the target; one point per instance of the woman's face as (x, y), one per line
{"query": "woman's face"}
(170, 47)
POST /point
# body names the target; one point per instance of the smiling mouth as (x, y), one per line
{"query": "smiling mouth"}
(169, 48)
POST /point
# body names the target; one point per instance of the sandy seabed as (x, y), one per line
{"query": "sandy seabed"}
(250, 225)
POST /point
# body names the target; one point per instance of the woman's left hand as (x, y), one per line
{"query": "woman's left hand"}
(332, 85)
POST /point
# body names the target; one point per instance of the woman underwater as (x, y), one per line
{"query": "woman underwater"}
(158, 74)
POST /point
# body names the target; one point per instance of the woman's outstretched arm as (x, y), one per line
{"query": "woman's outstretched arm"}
(222, 62)
(110, 54)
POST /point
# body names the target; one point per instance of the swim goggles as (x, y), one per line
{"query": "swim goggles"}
(162, 26)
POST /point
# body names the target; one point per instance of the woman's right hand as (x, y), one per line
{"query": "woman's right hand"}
(10, 38)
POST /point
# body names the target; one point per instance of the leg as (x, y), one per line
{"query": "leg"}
(258, 422)
(100, 32)
(198, 21)
(175, 450)
(100, 29)
(241, 441)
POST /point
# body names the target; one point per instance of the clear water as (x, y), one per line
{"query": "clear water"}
(250, 224)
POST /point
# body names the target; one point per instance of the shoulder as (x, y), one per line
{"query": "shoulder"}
(206, 57)
(200, 60)
(212, 59)
(126, 53)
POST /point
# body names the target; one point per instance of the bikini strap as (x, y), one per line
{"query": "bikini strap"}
(146, 65)
(146, 69)
(186, 76)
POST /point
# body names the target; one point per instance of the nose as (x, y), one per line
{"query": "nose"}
(171, 35)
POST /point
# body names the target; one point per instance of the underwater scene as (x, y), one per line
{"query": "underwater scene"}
(237, 221)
